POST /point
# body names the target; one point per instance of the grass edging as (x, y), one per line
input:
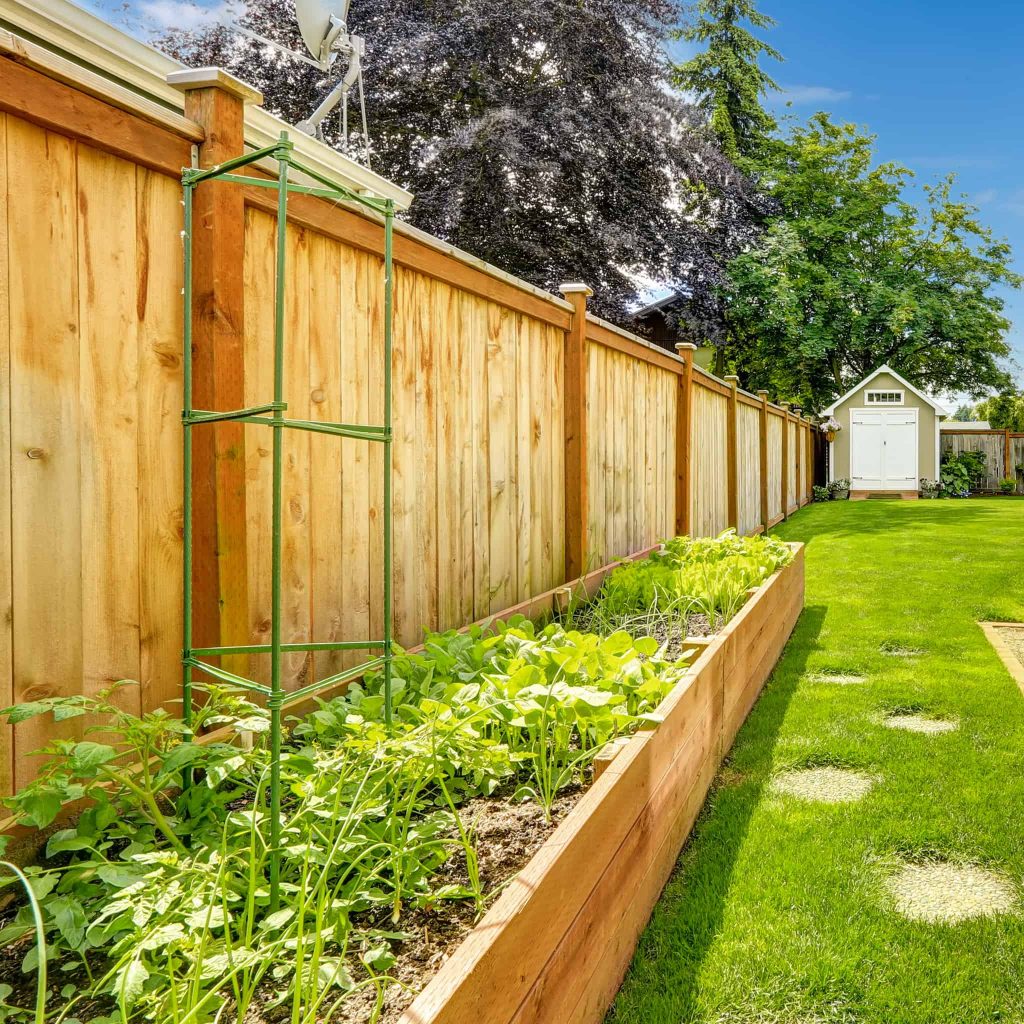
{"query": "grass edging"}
(555, 946)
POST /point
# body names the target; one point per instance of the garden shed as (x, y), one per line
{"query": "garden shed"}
(887, 437)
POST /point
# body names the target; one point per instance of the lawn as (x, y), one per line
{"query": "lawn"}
(780, 909)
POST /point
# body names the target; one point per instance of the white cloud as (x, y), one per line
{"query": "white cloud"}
(800, 95)
(185, 14)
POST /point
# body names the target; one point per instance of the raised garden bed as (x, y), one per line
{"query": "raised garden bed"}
(554, 948)
(555, 944)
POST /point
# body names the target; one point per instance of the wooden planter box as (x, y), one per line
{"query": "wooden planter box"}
(555, 946)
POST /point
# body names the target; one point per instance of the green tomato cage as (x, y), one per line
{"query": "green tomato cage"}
(272, 414)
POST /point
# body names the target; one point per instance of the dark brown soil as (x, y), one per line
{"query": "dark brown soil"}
(508, 835)
(696, 625)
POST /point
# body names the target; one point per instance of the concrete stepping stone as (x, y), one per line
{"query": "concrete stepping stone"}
(823, 785)
(944, 893)
(918, 723)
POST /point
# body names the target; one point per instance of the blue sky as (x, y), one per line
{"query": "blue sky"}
(939, 84)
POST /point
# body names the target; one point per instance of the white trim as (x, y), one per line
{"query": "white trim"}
(884, 368)
(917, 445)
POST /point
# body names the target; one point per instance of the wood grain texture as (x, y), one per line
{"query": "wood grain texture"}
(61, 108)
(748, 468)
(158, 307)
(6, 595)
(46, 428)
(710, 493)
(108, 407)
(631, 427)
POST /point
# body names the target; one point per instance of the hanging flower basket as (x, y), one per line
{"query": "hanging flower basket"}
(830, 428)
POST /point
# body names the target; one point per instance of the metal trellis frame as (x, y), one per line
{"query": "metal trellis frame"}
(272, 414)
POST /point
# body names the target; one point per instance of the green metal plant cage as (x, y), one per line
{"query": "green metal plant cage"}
(272, 414)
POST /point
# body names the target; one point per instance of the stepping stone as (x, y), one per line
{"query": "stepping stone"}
(942, 893)
(824, 785)
(918, 723)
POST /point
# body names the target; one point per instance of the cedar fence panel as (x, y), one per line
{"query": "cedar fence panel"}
(512, 465)
(710, 459)
(748, 457)
(998, 447)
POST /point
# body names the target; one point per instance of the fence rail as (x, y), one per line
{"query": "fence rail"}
(533, 441)
(1003, 451)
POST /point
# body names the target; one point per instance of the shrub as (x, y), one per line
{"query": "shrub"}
(962, 472)
(820, 493)
(1008, 484)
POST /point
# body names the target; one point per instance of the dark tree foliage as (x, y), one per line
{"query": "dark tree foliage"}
(727, 76)
(542, 136)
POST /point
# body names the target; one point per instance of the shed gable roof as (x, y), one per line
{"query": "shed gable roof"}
(885, 368)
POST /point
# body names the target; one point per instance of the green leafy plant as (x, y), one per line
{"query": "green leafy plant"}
(1008, 485)
(962, 472)
(839, 488)
(820, 493)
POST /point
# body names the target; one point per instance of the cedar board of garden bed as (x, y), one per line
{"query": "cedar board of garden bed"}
(555, 946)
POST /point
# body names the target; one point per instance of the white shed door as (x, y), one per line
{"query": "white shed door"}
(883, 449)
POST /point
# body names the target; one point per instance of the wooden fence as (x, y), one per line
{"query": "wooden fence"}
(1003, 451)
(533, 441)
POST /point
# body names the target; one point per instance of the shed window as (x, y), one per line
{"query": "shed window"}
(884, 397)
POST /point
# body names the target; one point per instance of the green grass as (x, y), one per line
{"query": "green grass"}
(778, 910)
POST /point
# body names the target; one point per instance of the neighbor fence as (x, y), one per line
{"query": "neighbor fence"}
(1003, 451)
(533, 441)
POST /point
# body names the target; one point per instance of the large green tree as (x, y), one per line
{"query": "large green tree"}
(727, 77)
(851, 273)
(1003, 412)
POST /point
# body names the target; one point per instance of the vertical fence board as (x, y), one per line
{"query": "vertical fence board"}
(46, 512)
(6, 604)
(158, 306)
(108, 396)
(325, 514)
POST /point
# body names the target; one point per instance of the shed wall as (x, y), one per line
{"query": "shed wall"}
(839, 459)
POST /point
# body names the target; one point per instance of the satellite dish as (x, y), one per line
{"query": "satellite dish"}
(320, 23)
(323, 25)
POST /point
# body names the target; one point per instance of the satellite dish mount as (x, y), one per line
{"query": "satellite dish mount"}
(323, 25)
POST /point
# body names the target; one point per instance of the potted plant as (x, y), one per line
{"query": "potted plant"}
(1008, 485)
(839, 489)
(929, 488)
(830, 428)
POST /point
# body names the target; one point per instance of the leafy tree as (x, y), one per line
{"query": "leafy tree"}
(1003, 412)
(964, 413)
(851, 274)
(541, 136)
(727, 77)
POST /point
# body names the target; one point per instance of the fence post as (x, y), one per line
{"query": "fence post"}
(798, 465)
(732, 478)
(216, 100)
(1007, 454)
(763, 395)
(575, 413)
(684, 441)
(785, 459)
